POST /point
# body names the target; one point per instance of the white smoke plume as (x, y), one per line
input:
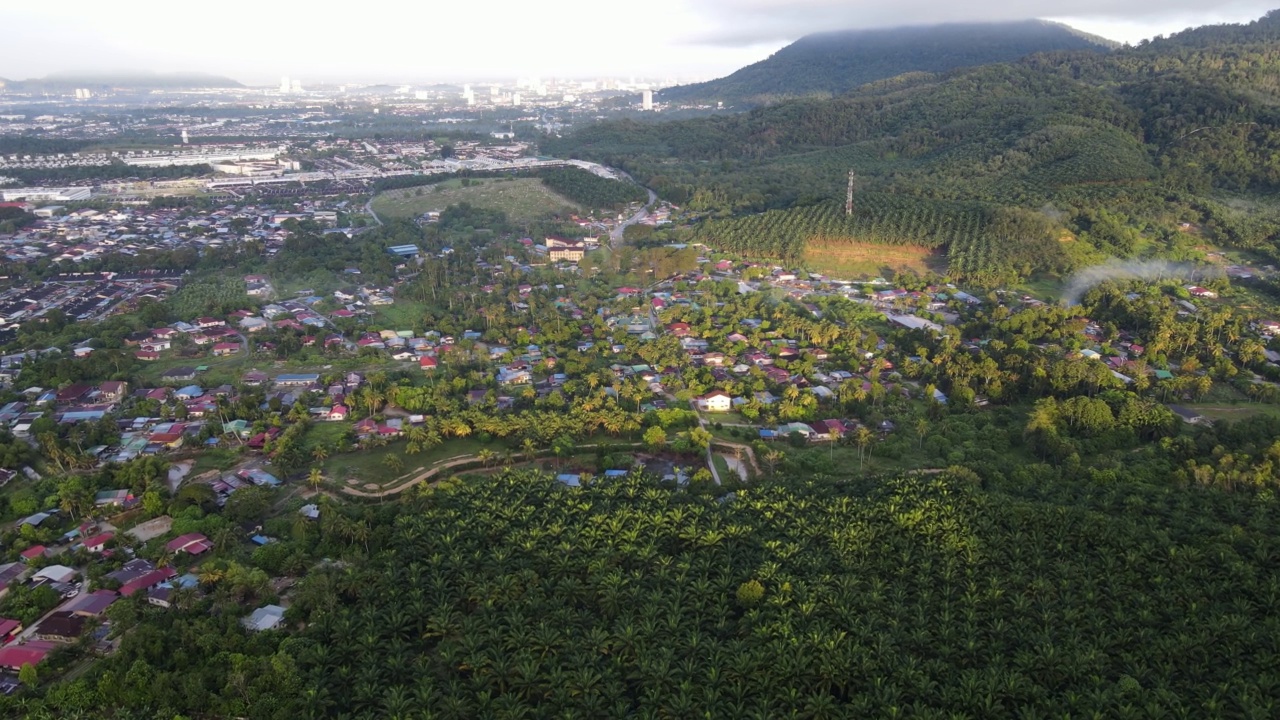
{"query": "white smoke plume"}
(1152, 270)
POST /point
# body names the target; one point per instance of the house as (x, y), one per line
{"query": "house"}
(147, 355)
(33, 553)
(1197, 291)
(715, 401)
(73, 392)
(191, 543)
(428, 363)
(112, 391)
(226, 348)
(567, 253)
(147, 581)
(179, 374)
(60, 626)
(337, 413)
(264, 618)
(1190, 416)
(208, 322)
(9, 628)
(12, 658)
(297, 380)
(108, 498)
(91, 604)
(98, 543)
(55, 574)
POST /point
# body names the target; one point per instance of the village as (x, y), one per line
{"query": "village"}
(187, 423)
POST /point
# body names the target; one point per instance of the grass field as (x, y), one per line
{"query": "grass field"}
(222, 370)
(855, 258)
(1234, 412)
(524, 200)
(403, 315)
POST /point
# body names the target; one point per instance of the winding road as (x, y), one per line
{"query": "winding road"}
(615, 237)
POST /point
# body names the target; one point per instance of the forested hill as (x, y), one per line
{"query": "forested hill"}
(1113, 148)
(833, 63)
(139, 81)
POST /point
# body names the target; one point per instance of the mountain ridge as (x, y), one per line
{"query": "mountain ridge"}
(833, 63)
(1117, 149)
(142, 80)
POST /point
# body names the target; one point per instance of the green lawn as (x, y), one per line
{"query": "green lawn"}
(1234, 412)
(368, 466)
(524, 200)
(722, 468)
(221, 370)
(328, 434)
(223, 458)
(404, 315)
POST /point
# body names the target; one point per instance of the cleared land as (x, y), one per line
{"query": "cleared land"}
(852, 258)
(522, 199)
(1233, 413)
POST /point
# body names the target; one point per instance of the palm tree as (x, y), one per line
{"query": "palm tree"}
(314, 478)
(393, 462)
(863, 437)
(319, 453)
(224, 538)
(486, 457)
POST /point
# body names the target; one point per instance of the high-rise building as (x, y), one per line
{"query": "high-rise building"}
(284, 83)
(515, 99)
(295, 86)
(467, 96)
(646, 100)
(185, 137)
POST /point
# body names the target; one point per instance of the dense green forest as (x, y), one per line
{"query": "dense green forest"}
(833, 63)
(590, 190)
(105, 173)
(1157, 135)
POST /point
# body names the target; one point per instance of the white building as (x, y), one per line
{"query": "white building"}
(646, 100)
(46, 194)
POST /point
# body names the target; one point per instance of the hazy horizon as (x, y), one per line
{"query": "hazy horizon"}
(256, 44)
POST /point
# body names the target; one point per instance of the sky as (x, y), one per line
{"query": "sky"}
(257, 41)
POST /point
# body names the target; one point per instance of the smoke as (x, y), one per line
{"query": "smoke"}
(1151, 270)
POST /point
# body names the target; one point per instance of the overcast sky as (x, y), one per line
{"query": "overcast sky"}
(257, 41)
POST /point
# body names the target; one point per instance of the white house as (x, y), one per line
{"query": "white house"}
(716, 401)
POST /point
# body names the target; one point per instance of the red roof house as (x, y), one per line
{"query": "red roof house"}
(148, 581)
(191, 543)
(98, 543)
(32, 653)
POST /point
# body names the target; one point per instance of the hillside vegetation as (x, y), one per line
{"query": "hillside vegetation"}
(1153, 136)
(833, 63)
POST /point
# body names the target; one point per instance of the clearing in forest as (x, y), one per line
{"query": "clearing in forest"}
(850, 258)
(524, 200)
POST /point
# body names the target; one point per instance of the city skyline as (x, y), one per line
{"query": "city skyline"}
(695, 39)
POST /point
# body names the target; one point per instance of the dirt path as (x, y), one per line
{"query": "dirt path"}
(746, 450)
(737, 466)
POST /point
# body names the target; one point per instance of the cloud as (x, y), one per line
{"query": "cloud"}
(392, 41)
(745, 22)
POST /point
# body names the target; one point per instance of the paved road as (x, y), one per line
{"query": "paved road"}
(615, 237)
(368, 207)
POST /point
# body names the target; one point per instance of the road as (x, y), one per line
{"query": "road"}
(615, 237)
(368, 207)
